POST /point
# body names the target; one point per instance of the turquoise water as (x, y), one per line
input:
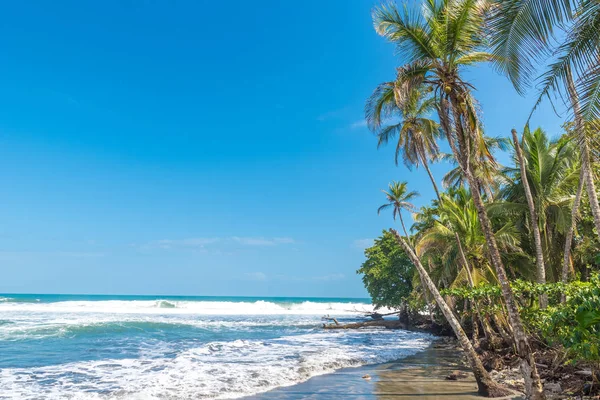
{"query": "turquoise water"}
(173, 347)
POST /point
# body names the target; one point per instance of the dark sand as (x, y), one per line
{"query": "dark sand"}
(421, 376)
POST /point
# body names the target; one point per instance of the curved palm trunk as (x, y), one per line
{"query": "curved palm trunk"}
(539, 253)
(585, 152)
(533, 384)
(486, 386)
(569, 239)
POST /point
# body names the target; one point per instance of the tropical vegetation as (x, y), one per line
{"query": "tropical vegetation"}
(512, 249)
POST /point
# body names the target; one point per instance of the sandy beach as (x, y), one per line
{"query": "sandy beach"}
(421, 376)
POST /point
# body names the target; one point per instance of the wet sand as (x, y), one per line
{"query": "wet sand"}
(421, 376)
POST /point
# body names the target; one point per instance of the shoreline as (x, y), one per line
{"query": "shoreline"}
(421, 375)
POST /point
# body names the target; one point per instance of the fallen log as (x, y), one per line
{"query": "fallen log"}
(382, 323)
(328, 318)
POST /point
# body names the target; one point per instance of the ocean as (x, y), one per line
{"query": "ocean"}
(175, 347)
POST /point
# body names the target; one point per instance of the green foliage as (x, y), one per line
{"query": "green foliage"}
(574, 324)
(387, 272)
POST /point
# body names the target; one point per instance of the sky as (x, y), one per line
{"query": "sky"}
(200, 147)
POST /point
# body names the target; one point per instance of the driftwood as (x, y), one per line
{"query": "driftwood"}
(385, 323)
(327, 318)
(377, 316)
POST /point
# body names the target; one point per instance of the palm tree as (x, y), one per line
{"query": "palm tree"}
(570, 232)
(416, 133)
(522, 33)
(399, 198)
(551, 171)
(457, 234)
(436, 46)
(457, 216)
(487, 387)
(539, 253)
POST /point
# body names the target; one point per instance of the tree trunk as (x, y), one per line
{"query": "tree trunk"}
(533, 384)
(403, 227)
(431, 309)
(585, 152)
(486, 386)
(426, 166)
(570, 232)
(539, 253)
(475, 328)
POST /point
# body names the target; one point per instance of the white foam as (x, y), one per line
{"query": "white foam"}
(221, 370)
(39, 325)
(191, 307)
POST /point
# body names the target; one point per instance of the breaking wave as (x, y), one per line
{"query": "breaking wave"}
(221, 370)
(260, 307)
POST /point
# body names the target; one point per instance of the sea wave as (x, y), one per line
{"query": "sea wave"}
(260, 307)
(18, 300)
(32, 327)
(222, 370)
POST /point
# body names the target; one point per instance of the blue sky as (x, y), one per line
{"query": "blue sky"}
(201, 148)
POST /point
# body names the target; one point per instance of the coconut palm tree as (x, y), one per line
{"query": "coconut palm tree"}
(522, 38)
(436, 45)
(399, 198)
(456, 235)
(457, 216)
(570, 233)
(539, 252)
(551, 171)
(487, 387)
(416, 133)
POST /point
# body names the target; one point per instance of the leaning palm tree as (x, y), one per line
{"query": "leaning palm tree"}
(416, 133)
(487, 387)
(436, 46)
(456, 235)
(399, 198)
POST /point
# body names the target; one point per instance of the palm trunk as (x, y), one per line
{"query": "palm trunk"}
(539, 253)
(437, 193)
(488, 193)
(569, 240)
(403, 227)
(428, 297)
(426, 166)
(502, 329)
(585, 152)
(475, 326)
(486, 386)
(533, 384)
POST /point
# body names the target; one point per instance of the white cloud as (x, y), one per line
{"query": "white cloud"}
(256, 276)
(261, 241)
(181, 243)
(363, 243)
(319, 278)
(361, 123)
(330, 277)
(200, 243)
(333, 114)
(68, 254)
